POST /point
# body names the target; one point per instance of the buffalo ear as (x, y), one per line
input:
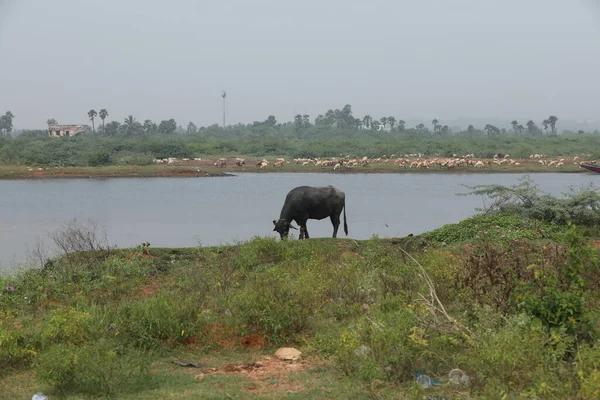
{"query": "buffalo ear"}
(274, 222)
(293, 227)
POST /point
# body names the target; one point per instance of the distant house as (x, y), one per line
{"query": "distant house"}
(66, 130)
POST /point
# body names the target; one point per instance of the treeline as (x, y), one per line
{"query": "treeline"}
(332, 134)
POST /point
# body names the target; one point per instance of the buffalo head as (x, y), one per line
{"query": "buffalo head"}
(283, 227)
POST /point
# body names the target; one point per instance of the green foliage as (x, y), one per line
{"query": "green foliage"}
(557, 296)
(120, 141)
(100, 368)
(66, 325)
(147, 324)
(525, 200)
(500, 226)
(90, 324)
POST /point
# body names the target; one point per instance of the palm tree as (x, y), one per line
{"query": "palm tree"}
(546, 123)
(92, 114)
(435, 123)
(552, 121)
(520, 128)
(103, 114)
(421, 128)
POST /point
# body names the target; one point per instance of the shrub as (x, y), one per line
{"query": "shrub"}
(525, 200)
(169, 318)
(279, 304)
(512, 227)
(99, 368)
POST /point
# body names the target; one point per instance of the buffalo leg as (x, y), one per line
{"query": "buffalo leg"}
(302, 230)
(306, 232)
(335, 220)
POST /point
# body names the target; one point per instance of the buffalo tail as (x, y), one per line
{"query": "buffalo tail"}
(345, 224)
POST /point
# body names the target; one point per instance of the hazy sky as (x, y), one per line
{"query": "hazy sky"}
(406, 58)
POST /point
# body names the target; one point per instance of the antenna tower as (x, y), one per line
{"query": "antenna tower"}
(223, 94)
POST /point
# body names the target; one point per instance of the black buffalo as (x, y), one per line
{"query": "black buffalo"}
(307, 202)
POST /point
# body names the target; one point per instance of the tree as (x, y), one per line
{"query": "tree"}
(391, 121)
(271, 120)
(103, 114)
(92, 114)
(149, 127)
(367, 120)
(444, 130)
(552, 121)
(531, 128)
(520, 128)
(383, 121)
(401, 125)
(191, 128)
(132, 127)
(545, 123)
(491, 130)
(112, 128)
(306, 121)
(421, 128)
(471, 129)
(6, 124)
(167, 127)
(515, 124)
(298, 122)
(51, 121)
(435, 124)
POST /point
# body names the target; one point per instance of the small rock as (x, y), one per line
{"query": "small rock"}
(362, 351)
(200, 376)
(288, 354)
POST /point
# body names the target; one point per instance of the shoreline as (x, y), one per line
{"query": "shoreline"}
(203, 171)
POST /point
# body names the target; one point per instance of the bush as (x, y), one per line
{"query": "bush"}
(99, 368)
(507, 226)
(165, 318)
(525, 200)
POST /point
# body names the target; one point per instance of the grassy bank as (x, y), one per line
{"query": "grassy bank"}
(134, 171)
(513, 305)
(206, 168)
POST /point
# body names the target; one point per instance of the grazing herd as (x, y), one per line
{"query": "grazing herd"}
(406, 161)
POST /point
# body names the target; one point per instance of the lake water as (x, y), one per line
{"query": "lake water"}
(184, 212)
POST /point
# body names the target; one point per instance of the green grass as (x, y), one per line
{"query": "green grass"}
(110, 324)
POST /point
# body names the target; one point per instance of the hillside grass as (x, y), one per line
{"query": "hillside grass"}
(367, 317)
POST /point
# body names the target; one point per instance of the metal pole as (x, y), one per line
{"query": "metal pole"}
(223, 94)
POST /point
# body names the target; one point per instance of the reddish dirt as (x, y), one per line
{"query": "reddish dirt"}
(267, 374)
(224, 337)
(221, 335)
(254, 341)
(149, 289)
(596, 243)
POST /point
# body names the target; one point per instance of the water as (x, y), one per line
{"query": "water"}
(180, 212)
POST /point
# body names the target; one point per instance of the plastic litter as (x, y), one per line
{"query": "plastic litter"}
(458, 377)
(425, 381)
(39, 396)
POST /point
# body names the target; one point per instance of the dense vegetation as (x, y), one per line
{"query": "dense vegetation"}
(510, 297)
(335, 133)
(96, 151)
